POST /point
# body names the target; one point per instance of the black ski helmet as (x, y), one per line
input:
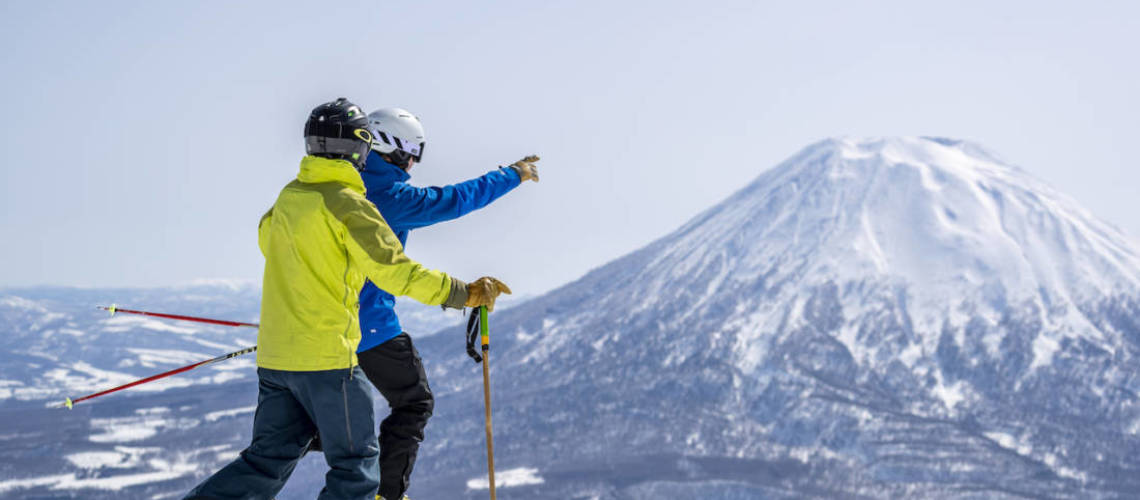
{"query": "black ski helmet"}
(338, 130)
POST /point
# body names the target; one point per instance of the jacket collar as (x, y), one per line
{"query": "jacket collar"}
(315, 170)
(376, 165)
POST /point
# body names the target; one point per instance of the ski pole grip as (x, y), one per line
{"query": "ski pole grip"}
(483, 328)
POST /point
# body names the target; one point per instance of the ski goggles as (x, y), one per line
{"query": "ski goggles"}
(416, 149)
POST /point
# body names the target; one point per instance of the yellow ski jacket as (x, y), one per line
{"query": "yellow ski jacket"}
(320, 240)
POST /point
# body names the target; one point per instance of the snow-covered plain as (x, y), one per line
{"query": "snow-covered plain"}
(522, 476)
(56, 344)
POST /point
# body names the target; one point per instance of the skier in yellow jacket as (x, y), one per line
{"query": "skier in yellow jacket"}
(320, 240)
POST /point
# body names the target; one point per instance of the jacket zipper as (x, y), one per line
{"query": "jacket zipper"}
(347, 326)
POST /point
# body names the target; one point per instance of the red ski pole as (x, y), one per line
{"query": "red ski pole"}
(70, 402)
(114, 309)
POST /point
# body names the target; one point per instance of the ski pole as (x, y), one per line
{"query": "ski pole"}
(114, 309)
(487, 397)
(68, 403)
(476, 326)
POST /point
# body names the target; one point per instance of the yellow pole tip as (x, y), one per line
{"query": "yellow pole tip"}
(68, 403)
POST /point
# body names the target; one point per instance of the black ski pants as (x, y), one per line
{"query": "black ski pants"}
(396, 370)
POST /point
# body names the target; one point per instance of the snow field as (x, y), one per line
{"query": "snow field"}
(103, 465)
(7, 386)
(1022, 447)
(152, 358)
(214, 416)
(82, 377)
(121, 323)
(508, 478)
(123, 457)
(137, 428)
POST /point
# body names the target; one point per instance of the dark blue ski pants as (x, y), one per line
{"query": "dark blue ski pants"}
(291, 407)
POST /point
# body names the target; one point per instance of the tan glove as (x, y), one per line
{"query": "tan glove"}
(526, 168)
(484, 291)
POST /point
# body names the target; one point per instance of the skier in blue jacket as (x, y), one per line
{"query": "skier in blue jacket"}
(386, 353)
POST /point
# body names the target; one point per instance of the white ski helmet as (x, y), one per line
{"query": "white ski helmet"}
(395, 129)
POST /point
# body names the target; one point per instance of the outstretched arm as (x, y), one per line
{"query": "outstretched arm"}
(376, 251)
(409, 207)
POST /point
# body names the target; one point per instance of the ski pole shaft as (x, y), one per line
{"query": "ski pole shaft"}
(487, 397)
(69, 402)
(115, 309)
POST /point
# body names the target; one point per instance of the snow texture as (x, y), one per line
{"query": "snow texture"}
(507, 478)
(215, 415)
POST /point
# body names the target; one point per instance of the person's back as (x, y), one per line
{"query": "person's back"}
(318, 229)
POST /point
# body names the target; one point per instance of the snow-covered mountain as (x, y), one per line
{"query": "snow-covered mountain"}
(881, 318)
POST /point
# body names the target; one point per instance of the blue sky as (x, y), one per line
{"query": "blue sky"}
(144, 139)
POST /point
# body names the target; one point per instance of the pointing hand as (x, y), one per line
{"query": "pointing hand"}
(526, 168)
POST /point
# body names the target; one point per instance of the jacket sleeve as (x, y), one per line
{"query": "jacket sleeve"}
(408, 207)
(263, 232)
(374, 249)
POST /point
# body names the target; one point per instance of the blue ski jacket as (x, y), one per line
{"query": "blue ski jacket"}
(406, 207)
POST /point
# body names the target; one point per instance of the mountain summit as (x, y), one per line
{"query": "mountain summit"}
(947, 228)
(935, 213)
(877, 316)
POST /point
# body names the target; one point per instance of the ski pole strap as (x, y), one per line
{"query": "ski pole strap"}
(472, 334)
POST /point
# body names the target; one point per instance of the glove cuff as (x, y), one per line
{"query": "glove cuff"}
(457, 299)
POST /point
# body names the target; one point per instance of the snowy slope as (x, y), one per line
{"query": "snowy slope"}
(965, 234)
(54, 343)
(155, 440)
(882, 317)
(57, 344)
